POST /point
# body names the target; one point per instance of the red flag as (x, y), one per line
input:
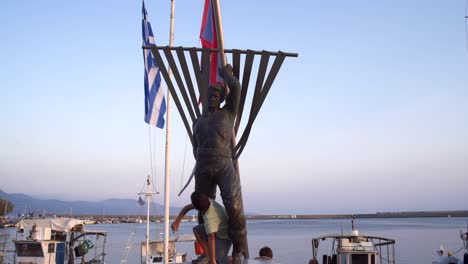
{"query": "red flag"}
(209, 39)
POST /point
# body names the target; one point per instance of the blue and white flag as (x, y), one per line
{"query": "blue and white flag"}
(155, 104)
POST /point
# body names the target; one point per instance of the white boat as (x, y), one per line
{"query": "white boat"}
(58, 241)
(155, 248)
(449, 257)
(355, 248)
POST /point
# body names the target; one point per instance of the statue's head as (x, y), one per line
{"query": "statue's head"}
(216, 95)
(200, 201)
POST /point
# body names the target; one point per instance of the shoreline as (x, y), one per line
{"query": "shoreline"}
(159, 218)
(414, 214)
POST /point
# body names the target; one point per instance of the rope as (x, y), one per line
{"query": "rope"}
(152, 155)
(150, 150)
(466, 23)
(142, 187)
(183, 165)
(457, 251)
(153, 176)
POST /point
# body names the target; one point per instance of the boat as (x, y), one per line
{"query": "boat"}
(194, 219)
(449, 257)
(152, 251)
(156, 250)
(355, 248)
(58, 241)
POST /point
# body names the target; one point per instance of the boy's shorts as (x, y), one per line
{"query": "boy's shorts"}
(222, 245)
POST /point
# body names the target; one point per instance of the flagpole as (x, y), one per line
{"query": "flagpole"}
(167, 181)
(219, 30)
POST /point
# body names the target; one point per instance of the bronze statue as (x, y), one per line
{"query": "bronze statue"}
(214, 160)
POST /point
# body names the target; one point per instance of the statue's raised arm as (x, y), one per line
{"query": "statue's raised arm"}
(232, 99)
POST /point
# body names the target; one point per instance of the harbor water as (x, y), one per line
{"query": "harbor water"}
(417, 239)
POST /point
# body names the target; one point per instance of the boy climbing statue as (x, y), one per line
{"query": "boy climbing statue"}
(213, 234)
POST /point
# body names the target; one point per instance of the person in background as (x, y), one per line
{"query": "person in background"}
(265, 253)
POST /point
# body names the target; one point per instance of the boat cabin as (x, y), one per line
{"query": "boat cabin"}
(40, 251)
(58, 241)
(355, 249)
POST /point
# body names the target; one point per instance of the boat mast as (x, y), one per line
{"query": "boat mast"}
(147, 217)
(167, 182)
(148, 195)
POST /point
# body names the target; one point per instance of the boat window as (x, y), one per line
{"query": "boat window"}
(29, 250)
(359, 259)
(372, 259)
(158, 260)
(60, 236)
(51, 248)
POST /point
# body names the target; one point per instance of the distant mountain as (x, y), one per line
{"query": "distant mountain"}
(25, 203)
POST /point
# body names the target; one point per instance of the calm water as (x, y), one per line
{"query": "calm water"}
(417, 239)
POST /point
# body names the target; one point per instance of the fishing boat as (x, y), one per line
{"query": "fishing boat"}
(448, 257)
(58, 241)
(156, 250)
(355, 248)
(152, 251)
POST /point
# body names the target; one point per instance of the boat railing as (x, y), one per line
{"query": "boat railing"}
(386, 249)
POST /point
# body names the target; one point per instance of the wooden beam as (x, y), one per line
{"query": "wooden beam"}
(256, 52)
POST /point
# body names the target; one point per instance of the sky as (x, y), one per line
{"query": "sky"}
(372, 116)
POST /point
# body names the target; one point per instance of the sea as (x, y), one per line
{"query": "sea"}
(417, 239)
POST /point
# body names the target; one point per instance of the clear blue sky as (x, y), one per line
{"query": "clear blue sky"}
(372, 115)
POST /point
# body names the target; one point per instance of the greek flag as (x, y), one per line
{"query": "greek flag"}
(155, 104)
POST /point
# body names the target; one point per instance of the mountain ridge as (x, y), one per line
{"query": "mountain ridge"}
(113, 206)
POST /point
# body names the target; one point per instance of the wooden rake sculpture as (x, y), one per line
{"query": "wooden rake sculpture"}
(185, 96)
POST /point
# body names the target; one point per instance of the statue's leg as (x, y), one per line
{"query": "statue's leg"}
(204, 182)
(229, 184)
